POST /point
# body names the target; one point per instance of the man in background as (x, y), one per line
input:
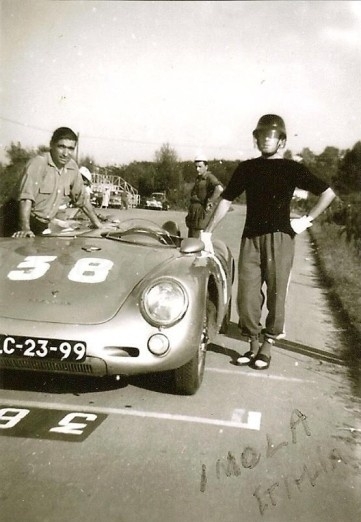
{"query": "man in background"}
(87, 180)
(205, 192)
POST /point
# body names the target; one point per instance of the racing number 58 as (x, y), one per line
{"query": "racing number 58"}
(85, 270)
(10, 417)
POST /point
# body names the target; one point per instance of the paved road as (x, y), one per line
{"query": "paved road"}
(281, 445)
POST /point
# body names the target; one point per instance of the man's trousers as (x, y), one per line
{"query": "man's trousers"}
(268, 260)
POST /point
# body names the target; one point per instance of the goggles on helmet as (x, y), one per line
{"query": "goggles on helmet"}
(270, 134)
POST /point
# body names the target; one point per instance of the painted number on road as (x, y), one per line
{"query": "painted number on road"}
(69, 427)
(48, 424)
(10, 417)
(85, 270)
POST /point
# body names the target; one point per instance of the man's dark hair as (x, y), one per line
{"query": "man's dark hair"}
(63, 133)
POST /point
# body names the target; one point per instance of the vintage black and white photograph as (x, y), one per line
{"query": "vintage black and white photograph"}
(180, 261)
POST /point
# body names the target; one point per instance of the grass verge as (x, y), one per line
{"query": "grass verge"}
(340, 265)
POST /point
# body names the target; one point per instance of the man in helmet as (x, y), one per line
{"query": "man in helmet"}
(267, 244)
(205, 192)
(47, 181)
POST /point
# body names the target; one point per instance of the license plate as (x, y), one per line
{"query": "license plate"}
(42, 348)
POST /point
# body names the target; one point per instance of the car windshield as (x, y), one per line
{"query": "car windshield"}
(136, 231)
(145, 232)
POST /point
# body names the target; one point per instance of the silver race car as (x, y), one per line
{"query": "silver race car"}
(131, 300)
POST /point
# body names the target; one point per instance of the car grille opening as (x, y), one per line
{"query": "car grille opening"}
(121, 351)
(48, 366)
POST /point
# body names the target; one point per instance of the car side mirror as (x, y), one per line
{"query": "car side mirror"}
(191, 245)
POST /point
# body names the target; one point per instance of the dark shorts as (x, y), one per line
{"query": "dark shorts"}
(38, 225)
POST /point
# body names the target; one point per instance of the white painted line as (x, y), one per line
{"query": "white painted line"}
(253, 420)
(258, 375)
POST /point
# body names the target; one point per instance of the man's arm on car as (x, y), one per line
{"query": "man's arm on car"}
(24, 219)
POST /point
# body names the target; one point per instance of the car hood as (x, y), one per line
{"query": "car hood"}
(81, 280)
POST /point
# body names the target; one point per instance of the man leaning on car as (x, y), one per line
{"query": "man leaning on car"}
(47, 182)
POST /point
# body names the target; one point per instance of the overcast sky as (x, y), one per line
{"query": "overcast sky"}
(129, 76)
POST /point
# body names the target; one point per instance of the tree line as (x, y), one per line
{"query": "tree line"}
(340, 168)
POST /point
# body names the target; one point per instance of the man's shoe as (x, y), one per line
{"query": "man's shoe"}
(261, 362)
(246, 358)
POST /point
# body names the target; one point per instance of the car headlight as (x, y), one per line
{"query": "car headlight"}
(164, 302)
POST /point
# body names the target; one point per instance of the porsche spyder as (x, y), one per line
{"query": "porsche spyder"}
(131, 299)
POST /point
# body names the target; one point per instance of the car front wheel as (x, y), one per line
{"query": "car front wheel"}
(188, 377)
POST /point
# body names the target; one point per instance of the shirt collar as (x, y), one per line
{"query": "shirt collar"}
(70, 165)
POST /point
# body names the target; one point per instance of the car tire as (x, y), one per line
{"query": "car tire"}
(189, 377)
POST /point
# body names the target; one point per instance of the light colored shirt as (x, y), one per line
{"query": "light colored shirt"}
(47, 186)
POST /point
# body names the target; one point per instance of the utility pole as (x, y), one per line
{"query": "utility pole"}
(77, 149)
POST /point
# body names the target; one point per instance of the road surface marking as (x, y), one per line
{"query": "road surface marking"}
(253, 418)
(258, 375)
(48, 423)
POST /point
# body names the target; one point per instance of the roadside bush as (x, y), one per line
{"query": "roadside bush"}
(344, 213)
(336, 238)
(339, 260)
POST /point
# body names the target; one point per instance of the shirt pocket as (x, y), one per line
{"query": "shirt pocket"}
(47, 187)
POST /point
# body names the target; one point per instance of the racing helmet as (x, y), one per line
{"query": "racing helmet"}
(86, 173)
(269, 122)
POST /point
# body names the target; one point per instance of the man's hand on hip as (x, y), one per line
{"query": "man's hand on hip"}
(299, 225)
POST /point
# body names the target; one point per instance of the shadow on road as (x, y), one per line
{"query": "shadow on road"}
(163, 382)
(80, 385)
(228, 352)
(349, 353)
(51, 383)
